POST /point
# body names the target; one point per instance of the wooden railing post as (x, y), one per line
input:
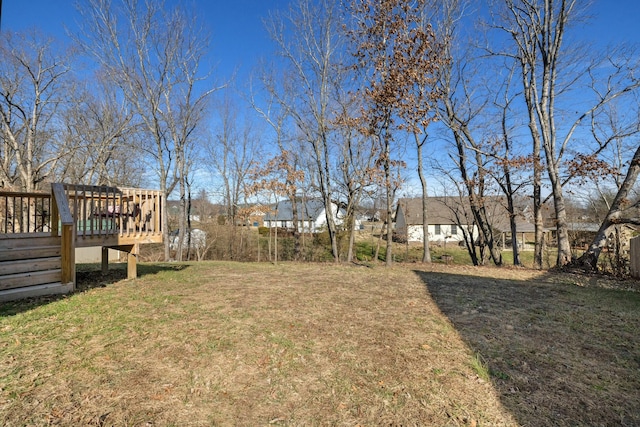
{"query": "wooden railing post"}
(55, 217)
(68, 255)
(62, 213)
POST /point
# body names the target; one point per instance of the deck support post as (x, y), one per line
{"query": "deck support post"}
(132, 258)
(132, 262)
(105, 260)
(68, 255)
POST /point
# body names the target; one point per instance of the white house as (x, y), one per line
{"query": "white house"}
(446, 220)
(312, 216)
(450, 217)
(198, 239)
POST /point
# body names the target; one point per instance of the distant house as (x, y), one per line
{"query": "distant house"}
(446, 220)
(251, 215)
(201, 211)
(449, 218)
(198, 239)
(311, 216)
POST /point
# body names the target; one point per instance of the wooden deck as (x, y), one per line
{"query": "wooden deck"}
(39, 233)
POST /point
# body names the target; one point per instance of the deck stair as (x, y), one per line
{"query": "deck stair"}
(39, 233)
(31, 266)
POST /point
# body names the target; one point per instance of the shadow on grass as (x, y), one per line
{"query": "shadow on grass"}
(88, 276)
(558, 354)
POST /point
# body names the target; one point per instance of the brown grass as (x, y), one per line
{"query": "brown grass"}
(317, 344)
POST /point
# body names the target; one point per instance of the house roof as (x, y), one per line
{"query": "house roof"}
(456, 210)
(592, 227)
(440, 210)
(282, 210)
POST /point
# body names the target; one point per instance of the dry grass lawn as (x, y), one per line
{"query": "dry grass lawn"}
(316, 344)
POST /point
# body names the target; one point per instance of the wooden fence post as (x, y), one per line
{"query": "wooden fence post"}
(634, 257)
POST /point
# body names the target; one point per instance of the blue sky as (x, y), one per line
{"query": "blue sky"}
(238, 35)
(239, 38)
(614, 21)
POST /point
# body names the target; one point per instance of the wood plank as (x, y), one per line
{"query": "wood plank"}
(29, 265)
(116, 240)
(30, 279)
(30, 253)
(62, 202)
(24, 194)
(35, 291)
(23, 235)
(28, 242)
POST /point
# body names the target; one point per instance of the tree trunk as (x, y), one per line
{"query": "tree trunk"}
(514, 233)
(351, 224)
(188, 215)
(426, 253)
(564, 246)
(165, 221)
(471, 247)
(182, 221)
(383, 229)
(590, 258)
(296, 230)
(389, 201)
(331, 224)
(275, 246)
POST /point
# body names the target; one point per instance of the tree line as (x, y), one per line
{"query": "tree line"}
(478, 99)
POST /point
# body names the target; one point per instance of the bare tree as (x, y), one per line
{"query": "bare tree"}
(154, 55)
(418, 109)
(32, 92)
(357, 165)
(611, 174)
(275, 109)
(620, 204)
(308, 37)
(460, 112)
(230, 155)
(508, 165)
(98, 128)
(538, 29)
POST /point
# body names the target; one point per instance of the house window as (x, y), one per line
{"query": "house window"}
(438, 231)
(454, 230)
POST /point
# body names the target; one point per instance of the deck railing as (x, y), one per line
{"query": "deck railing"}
(23, 213)
(98, 211)
(101, 211)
